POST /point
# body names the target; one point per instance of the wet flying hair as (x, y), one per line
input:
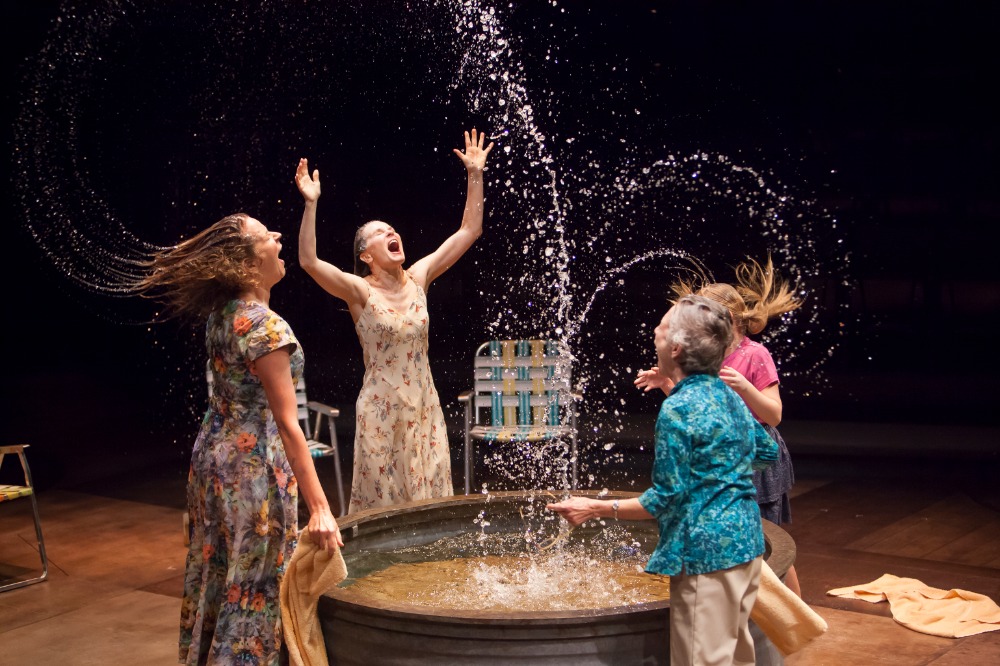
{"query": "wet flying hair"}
(758, 295)
(360, 245)
(198, 276)
(703, 329)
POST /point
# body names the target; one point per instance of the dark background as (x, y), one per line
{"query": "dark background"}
(880, 112)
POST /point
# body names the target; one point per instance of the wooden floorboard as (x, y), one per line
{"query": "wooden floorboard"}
(978, 547)
(844, 512)
(956, 529)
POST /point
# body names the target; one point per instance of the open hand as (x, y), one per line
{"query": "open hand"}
(652, 379)
(474, 157)
(309, 187)
(576, 510)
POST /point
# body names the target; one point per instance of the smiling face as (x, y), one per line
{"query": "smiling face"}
(383, 246)
(268, 247)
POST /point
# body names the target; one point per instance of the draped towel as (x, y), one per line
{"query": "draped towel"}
(312, 572)
(783, 617)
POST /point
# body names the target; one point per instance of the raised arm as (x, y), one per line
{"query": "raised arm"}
(346, 286)
(433, 265)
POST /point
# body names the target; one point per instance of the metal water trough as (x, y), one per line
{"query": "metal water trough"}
(390, 635)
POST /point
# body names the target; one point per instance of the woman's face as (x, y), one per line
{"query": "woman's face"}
(664, 350)
(383, 246)
(268, 245)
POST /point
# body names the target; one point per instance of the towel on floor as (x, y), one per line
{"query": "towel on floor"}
(783, 617)
(312, 572)
(948, 613)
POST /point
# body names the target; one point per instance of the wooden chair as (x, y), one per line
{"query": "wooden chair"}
(521, 392)
(318, 412)
(9, 493)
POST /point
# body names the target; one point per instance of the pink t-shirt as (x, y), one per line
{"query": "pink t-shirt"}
(753, 361)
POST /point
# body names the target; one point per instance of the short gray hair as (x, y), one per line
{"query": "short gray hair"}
(703, 330)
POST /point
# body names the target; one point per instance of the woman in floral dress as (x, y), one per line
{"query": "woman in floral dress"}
(250, 459)
(401, 442)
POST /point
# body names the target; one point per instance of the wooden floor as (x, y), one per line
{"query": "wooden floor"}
(116, 558)
(851, 531)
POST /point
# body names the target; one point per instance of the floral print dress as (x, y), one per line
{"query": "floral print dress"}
(401, 442)
(242, 499)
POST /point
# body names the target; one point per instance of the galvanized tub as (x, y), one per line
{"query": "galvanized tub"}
(364, 634)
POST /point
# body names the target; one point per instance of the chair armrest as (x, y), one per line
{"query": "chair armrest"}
(465, 396)
(332, 412)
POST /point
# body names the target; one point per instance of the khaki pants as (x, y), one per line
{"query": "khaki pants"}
(709, 615)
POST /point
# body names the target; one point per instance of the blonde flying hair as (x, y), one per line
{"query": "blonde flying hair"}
(200, 275)
(758, 295)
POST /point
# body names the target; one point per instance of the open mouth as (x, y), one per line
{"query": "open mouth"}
(393, 245)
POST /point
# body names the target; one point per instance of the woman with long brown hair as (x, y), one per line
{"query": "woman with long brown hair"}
(250, 460)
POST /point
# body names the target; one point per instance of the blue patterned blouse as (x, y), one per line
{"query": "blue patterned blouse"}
(703, 496)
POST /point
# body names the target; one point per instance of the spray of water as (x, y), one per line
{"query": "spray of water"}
(590, 216)
(590, 223)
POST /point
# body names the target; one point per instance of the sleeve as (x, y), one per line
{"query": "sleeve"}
(673, 447)
(763, 371)
(264, 333)
(765, 450)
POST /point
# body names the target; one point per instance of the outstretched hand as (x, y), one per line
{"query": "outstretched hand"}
(576, 510)
(309, 187)
(652, 379)
(474, 157)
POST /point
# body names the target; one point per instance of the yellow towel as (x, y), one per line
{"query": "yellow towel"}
(948, 613)
(312, 572)
(783, 616)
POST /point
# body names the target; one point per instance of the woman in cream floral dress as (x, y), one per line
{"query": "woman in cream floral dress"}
(250, 459)
(401, 444)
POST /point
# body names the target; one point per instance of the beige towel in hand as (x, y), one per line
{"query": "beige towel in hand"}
(312, 572)
(948, 613)
(783, 616)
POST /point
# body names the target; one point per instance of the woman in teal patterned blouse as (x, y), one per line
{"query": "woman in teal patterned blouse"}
(703, 497)
(250, 460)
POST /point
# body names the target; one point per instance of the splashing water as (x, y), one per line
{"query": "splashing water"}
(497, 572)
(590, 224)
(588, 216)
